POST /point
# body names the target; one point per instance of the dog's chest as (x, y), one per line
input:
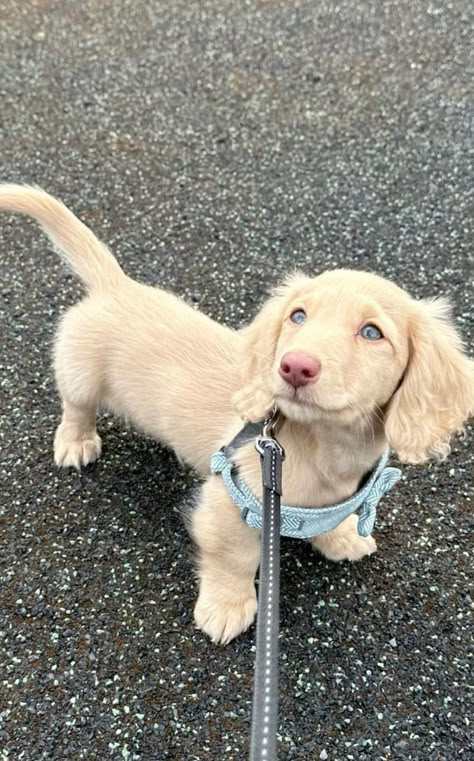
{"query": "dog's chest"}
(311, 479)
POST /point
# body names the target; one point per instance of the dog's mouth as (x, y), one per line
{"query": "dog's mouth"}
(298, 399)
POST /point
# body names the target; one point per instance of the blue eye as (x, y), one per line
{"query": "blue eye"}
(370, 332)
(298, 316)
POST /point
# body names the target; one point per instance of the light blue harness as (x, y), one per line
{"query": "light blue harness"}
(305, 522)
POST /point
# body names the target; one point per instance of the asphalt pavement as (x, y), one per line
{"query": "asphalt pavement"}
(215, 145)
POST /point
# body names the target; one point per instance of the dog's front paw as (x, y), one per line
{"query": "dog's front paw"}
(222, 616)
(75, 453)
(351, 548)
(344, 543)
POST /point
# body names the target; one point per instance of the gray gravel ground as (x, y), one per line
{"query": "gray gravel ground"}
(215, 145)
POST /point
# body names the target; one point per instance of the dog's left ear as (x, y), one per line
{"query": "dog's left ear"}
(258, 345)
(436, 396)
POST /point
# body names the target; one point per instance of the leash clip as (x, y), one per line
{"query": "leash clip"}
(267, 437)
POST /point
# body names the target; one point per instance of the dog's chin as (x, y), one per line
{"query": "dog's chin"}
(300, 409)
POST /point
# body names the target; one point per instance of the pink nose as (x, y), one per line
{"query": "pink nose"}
(299, 369)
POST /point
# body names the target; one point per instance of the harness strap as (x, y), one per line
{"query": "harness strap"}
(247, 433)
(306, 522)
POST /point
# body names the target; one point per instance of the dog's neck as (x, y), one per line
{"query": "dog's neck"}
(329, 434)
(324, 462)
(333, 457)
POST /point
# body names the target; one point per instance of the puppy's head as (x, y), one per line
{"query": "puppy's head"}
(351, 347)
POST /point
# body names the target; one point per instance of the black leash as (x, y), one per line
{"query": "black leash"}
(265, 694)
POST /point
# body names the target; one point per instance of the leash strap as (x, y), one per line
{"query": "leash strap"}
(265, 695)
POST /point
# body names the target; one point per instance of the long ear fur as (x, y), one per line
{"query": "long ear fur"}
(437, 393)
(259, 340)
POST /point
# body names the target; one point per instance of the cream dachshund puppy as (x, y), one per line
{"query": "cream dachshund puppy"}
(353, 363)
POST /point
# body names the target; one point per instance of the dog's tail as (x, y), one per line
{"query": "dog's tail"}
(90, 259)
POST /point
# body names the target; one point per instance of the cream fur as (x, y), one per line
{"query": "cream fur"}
(186, 380)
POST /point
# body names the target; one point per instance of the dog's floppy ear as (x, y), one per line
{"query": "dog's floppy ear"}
(258, 344)
(436, 395)
(259, 339)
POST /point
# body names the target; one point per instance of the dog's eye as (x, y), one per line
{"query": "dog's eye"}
(298, 316)
(371, 332)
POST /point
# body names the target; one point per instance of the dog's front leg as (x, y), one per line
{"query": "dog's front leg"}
(229, 554)
(343, 542)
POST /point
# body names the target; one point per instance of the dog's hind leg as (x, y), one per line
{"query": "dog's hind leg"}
(76, 442)
(79, 373)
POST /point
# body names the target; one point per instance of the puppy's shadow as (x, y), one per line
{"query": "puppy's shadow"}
(141, 479)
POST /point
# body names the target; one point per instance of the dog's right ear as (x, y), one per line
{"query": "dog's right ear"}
(257, 353)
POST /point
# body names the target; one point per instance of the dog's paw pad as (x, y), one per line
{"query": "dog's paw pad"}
(75, 453)
(224, 620)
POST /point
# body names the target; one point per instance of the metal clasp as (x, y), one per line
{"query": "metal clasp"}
(267, 437)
